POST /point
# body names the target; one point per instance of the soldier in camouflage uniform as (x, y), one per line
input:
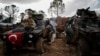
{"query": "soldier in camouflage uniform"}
(28, 22)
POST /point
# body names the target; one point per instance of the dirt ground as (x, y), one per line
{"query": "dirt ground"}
(58, 48)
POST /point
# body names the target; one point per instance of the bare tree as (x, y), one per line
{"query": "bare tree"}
(57, 7)
(12, 9)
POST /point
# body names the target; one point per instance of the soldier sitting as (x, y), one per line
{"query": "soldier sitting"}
(28, 23)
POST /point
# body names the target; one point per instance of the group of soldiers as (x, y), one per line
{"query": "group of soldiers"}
(28, 21)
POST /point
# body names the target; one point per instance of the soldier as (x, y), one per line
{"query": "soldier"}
(53, 25)
(28, 22)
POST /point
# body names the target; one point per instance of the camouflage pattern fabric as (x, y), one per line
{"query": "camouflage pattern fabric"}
(29, 23)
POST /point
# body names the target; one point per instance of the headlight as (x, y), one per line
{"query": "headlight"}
(30, 36)
(29, 41)
(4, 37)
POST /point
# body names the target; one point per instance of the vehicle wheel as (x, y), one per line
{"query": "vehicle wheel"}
(40, 46)
(2, 49)
(72, 35)
(82, 49)
(6, 50)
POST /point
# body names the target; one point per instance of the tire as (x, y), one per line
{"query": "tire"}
(2, 49)
(71, 37)
(6, 49)
(40, 46)
(82, 48)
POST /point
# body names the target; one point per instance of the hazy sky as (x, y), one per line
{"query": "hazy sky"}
(70, 5)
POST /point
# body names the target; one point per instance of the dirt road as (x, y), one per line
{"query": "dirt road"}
(57, 49)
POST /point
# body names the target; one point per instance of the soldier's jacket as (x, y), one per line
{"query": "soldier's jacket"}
(30, 23)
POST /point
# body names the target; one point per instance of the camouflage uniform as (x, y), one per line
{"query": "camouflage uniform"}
(28, 23)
